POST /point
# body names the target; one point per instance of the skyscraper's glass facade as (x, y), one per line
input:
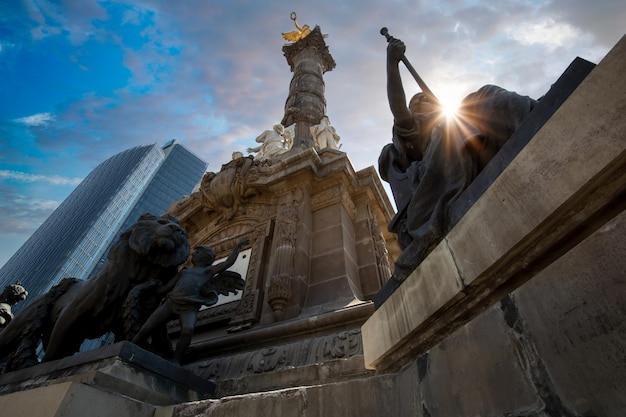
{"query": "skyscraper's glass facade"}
(170, 183)
(72, 241)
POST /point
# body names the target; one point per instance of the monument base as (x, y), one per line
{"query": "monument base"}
(122, 374)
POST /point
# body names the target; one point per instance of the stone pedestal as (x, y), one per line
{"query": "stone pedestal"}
(121, 380)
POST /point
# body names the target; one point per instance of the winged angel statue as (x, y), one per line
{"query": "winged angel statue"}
(296, 35)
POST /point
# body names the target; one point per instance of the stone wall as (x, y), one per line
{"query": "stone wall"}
(554, 347)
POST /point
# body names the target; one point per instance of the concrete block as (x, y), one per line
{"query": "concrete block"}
(576, 311)
(433, 284)
(71, 399)
(479, 371)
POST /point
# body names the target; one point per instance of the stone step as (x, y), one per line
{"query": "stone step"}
(368, 396)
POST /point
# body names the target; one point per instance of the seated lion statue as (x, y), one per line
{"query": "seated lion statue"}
(75, 310)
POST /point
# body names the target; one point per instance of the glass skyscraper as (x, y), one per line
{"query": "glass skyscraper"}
(76, 237)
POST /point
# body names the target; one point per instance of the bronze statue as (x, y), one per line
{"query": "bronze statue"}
(192, 288)
(432, 160)
(12, 294)
(75, 310)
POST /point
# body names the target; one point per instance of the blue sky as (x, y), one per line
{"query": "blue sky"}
(83, 80)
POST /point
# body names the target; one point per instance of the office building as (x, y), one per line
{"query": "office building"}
(76, 237)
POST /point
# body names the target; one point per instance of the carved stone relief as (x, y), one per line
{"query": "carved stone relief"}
(225, 191)
(279, 291)
(341, 345)
(380, 249)
(267, 360)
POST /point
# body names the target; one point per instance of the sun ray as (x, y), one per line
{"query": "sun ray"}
(449, 105)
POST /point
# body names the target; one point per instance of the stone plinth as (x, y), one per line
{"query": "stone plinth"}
(122, 369)
(71, 399)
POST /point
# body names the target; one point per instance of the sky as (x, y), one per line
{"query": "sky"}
(81, 80)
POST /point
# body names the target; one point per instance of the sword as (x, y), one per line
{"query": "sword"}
(418, 79)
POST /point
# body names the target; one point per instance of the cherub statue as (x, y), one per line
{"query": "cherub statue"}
(272, 143)
(296, 35)
(325, 135)
(192, 288)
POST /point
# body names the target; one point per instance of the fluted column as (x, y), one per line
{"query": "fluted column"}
(309, 59)
(280, 289)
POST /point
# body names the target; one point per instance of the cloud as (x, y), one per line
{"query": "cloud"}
(213, 75)
(21, 214)
(36, 119)
(74, 19)
(50, 179)
(547, 32)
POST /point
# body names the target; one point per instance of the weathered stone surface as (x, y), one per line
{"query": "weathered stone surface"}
(398, 321)
(576, 317)
(370, 397)
(71, 399)
(326, 337)
(325, 371)
(121, 368)
(552, 348)
(478, 371)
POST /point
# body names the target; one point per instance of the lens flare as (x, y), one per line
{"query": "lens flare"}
(449, 106)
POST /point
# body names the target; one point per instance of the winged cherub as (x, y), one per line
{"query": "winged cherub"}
(192, 288)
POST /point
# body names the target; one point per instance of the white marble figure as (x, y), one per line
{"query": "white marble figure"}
(272, 143)
(289, 135)
(325, 135)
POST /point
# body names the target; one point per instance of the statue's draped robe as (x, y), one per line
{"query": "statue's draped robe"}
(427, 179)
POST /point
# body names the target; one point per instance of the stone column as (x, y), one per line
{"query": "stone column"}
(280, 288)
(309, 59)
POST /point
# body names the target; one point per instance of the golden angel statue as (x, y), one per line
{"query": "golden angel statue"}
(296, 35)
